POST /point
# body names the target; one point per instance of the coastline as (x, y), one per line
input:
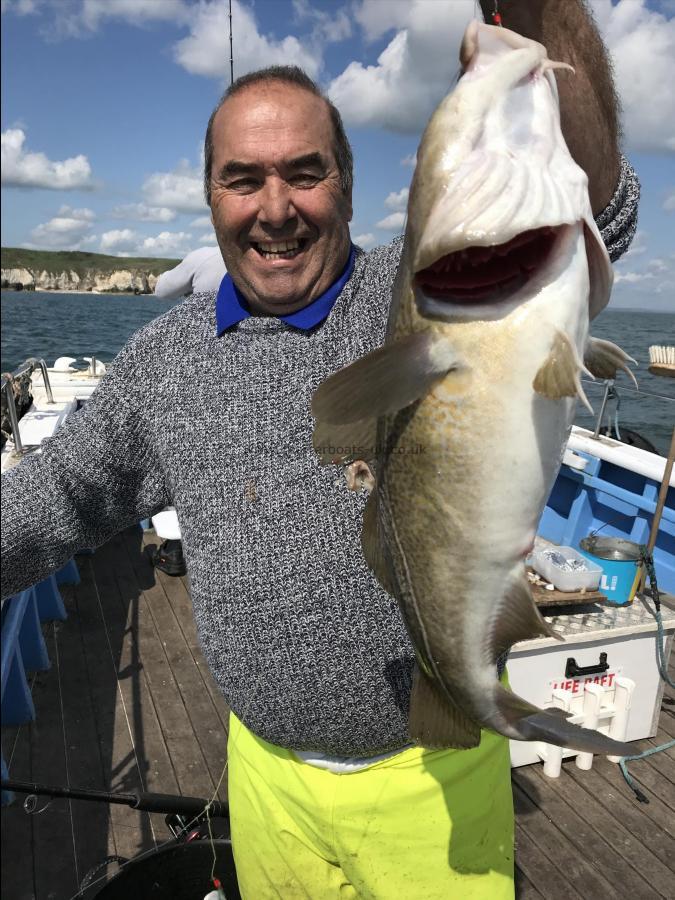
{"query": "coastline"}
(83, 293)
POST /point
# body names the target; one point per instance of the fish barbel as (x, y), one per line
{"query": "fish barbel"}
(467, 407)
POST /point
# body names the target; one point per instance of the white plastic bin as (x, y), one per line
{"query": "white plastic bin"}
(586, 579)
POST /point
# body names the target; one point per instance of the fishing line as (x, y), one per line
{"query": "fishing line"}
(630, 390)
(121, 696)
(65, 751)
(18, 731)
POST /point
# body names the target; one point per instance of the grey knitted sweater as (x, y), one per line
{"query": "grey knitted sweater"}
(305, 645)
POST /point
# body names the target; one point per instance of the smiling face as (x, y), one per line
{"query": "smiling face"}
(278, 209)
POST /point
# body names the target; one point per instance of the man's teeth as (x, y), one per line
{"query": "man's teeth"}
(269, 251)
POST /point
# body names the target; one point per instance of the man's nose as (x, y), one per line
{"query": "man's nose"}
(276, 203)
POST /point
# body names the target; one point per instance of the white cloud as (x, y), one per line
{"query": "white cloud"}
(127, 242)
(410, 160)
(413, 72)
(331, 27)
(366, 241)
(21, 168)
(632, 277)
(669, 202)
(201, 222)
(83, 214)
(641, 42)
(394, 222)
(87, 17)
(20, 7)
(658, 265)
(206, 51)
(167, 243)
(141, 212)
(377, 18)
(119, 240)
(397, 199)
(181, 189)
(208, 238)
(66, 231)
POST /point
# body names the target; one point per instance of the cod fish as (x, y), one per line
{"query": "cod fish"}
(464, 412)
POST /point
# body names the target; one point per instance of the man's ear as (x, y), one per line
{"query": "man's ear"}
(350, 208)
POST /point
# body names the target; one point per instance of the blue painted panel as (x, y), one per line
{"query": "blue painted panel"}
(611, 500)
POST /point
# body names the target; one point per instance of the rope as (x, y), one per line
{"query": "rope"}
(648, 561)
(629, 781)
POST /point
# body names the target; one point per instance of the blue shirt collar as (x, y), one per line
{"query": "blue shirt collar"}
(232, 307)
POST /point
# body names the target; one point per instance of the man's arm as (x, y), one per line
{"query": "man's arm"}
(589, 109)
(95, 476)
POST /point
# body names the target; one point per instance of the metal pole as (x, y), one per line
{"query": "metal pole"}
(598, 424)
(8, 387)
(231, 54)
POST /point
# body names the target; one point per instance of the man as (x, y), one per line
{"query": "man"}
(328, 798)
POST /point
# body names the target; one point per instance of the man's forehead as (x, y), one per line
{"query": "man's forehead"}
(275, 93)
(273, 116)
(274, 102)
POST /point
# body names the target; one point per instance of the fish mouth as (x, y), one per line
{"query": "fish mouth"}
(491, 274)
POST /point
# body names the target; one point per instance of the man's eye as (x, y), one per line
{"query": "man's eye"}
(304, 179)
(243, 184)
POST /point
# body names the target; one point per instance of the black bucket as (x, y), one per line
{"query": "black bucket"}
(179, 871)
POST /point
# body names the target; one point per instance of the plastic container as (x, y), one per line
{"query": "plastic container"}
(621, 566)
(586, 579)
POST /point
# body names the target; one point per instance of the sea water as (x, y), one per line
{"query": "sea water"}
(51, 324)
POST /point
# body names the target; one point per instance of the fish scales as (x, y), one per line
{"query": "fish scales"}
(468, 406)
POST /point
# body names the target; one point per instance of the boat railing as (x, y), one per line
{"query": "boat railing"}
(7, 385)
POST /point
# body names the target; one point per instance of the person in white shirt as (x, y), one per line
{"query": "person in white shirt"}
(200, 271)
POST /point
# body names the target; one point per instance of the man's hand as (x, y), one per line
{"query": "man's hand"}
(588, 103)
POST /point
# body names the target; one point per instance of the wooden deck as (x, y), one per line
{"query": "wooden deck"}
(129, 704)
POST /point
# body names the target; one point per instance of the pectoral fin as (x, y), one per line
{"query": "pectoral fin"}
(435, 721)
(516, 618)
(559, 375)
(603, 358)
(345, 443)
(384, 381)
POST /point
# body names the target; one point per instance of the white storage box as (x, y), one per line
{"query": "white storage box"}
(555, 565)
(626, 634)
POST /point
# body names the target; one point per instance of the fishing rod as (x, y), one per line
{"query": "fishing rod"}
(144, 801)
(231, 54)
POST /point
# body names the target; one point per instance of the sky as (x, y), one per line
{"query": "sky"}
(105, 103)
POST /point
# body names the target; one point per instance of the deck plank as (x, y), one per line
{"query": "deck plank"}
(54, 855)
(609, 791)
(525, 890)
(204, 716)
(18, 872)
(190, 767)
(574, 868)
(624, 861)
(539, 870)
(125, 709)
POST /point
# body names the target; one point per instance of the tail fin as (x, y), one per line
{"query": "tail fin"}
(528, 723)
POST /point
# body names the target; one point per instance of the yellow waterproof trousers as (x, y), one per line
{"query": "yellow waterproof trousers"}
(421, 825)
